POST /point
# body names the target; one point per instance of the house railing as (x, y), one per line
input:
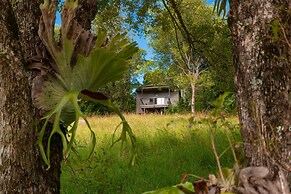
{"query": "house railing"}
(166, 101)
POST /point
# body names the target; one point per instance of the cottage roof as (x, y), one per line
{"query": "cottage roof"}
(153, 88)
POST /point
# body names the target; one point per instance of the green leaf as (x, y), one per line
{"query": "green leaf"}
(100, 67)
(218, 103)
(275, 29)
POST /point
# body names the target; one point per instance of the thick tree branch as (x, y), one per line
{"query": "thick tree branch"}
(86, 12)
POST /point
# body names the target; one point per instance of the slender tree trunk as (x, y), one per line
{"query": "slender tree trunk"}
(21, 167)
(263, 80)
(193, 99)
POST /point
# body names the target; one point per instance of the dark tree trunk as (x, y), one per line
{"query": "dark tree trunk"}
(21, 167)
(86, 13)
(22, 170)
(263, 80)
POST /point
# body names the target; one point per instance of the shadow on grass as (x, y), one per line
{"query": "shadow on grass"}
(163, 157)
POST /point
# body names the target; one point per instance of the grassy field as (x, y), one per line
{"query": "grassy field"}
(167, 149)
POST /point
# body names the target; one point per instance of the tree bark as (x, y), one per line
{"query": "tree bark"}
(86, 13)
(263, 80)
(22, 169)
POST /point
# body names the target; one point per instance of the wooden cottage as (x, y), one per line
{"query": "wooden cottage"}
(155, 98)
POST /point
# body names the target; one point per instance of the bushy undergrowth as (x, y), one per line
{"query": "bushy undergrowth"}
(167, 149)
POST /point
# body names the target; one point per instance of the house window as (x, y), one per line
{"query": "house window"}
(153, 101)
(160, 101)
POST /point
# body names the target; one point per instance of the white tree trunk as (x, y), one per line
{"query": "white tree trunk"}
(193, 99)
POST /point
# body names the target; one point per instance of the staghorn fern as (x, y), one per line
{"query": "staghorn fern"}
(82, 65)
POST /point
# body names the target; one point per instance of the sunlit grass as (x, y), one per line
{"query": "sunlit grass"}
(167, 149)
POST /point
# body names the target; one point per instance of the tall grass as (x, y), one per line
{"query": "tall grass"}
(167, 149)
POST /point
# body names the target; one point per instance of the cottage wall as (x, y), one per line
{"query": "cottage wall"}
(159, 98)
